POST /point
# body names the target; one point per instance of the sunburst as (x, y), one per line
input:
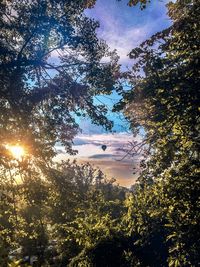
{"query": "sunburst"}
(17, 151)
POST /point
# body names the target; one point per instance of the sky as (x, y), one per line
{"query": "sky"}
(123, 28)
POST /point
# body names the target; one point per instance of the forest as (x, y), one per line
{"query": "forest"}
(68, 213)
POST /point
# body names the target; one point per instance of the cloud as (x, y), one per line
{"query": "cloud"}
(89, 128)
(89, 145)
(79, 142)
(100, 156)
(124, 28)
(111, 160)
(121, 171)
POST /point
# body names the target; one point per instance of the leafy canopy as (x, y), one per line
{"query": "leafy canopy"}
(164, 101)
(51, 68)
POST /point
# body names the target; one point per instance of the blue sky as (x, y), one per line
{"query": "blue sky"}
(123, 28)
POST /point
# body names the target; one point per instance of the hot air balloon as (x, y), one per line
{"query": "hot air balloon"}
(104, 147)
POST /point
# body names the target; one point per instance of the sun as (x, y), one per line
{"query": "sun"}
(16, 151)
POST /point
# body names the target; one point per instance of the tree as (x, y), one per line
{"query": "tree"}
(6, 225)
(144, 224)
(59, 215)
(81, 212)
(142, 3)
(164, 102)
(51, 68)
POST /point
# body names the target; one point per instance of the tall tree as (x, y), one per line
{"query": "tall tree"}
(51, 68)
(164, 102)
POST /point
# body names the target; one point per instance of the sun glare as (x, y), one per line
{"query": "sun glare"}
(17, 151)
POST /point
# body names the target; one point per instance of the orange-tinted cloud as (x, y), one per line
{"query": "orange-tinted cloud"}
(111, 160)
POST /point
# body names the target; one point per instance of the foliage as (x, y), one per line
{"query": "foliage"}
(164, 102)
(90, 213)
(61, 214)
(50, 70)
(145, 224)
(69, 214)
(142, 3)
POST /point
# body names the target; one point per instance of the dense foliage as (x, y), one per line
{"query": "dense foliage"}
(68, 214)
(51, 68)
(165, 103)
(59, 216)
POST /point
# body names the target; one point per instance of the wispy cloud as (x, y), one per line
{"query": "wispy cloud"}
(124, 28)
(89, 145)
(101, 156)
(111, 160)
(114, 144)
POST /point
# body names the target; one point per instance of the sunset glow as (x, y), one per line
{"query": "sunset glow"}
(17, 151)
